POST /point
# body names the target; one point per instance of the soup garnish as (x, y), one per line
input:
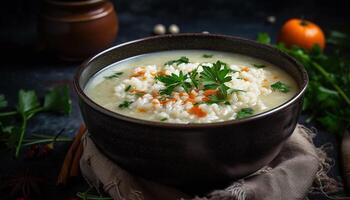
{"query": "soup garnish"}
(191, 86)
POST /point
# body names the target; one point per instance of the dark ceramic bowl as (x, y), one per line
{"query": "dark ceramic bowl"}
(193, 157)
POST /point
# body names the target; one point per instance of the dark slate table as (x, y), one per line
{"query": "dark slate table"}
(24, 66)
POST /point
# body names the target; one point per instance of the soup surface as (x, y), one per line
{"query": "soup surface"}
(190, 86)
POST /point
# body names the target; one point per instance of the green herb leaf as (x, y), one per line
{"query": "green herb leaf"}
(125, 104)
(173, 81)
(215, 99)
(244, 112)
(193, 76)
(259, 65)
(163, 119)
(280, 87)
(183, 59)
(58, 100)
(207, 55)
(215, 77)
(27, 103)
(3, 102)
(331, 122)
(264, 38)
(127, 88)
(114, 75)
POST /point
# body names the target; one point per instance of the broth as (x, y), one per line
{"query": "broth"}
(145, 87)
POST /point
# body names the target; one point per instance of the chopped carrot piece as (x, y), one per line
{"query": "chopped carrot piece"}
(155, 94)
(161, 73)
(193, 94)
(245, 69)
(182, 94)
(167, 100)
(195, 110)
(190, 100)
(137, 91)
(142, 110)
(210, 92)
(155, 101)
(137, 74)
(205, 99)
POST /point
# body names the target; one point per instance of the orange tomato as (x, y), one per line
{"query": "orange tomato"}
(301, 33)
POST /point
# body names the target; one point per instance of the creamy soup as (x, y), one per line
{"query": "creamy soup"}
(190, 86)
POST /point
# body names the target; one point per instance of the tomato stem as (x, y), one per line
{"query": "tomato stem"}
(303, 22)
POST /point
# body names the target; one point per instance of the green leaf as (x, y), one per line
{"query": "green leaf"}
(328, 98)
(163, 119)
(125, 104)
(173, 81)
(215, 99)
(331, 123)
(127, 88)
(183, 59)
(207, 55)
(214, 78)
(280, 87)
(263, 38)
(58, 100)
(114, 75)
(193, 76)
(6, 129)
(27, 102)
(259, 66)
(244, 112)
(3, 102)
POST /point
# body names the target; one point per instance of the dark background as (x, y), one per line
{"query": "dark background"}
(25, 64)
(137, 17)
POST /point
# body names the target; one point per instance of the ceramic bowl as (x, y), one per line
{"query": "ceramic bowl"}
(192, 157)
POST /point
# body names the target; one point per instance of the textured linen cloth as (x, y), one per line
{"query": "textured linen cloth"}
(288, 177)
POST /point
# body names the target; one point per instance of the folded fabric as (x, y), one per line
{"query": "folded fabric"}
(288, 177)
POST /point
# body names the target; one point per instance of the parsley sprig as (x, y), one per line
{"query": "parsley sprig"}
(114, 75)
(215, 77)
(173, 81)
(282, 87)
(56, 100)
(125, 104)
(244, 112)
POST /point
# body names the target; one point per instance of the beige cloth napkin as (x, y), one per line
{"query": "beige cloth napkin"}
(288, 177)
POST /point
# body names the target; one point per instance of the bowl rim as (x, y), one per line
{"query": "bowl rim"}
(80, 91)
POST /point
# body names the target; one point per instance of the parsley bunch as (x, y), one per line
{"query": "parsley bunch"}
(13, 124)
(327, 99)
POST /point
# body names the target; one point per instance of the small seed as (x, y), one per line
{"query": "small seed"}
(271, 19)
(159, 29)
(173, 29)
